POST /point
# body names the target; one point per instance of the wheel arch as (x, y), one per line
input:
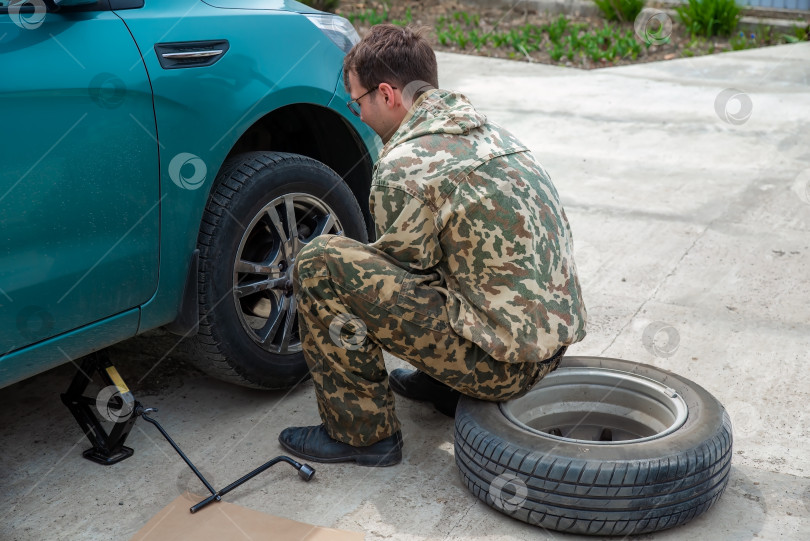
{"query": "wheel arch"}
(311, 130)
(317, 132)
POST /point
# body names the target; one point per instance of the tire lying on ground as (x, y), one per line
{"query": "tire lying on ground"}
(600, 447)
(265, 208)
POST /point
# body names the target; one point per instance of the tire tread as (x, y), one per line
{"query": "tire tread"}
(596, 497)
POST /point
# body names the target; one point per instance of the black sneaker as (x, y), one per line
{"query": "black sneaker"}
(417, 385)
(315, 444)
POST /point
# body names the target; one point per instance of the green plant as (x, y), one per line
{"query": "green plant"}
(446, 32)
(608, 43)
(369, 17)
(764, 35)
(464, 31)
(741, 41)
(561, 38)
(800, 33)
(710, 17)
(469, 20)
(478, 39)
(620, 10)
(694, 46)
(372, 16)
(796, 37)
(499, 39)
(443, 35)
(557, 28)
(323, 5)
(404, 21)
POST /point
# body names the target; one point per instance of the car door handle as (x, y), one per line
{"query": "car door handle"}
(192, 54)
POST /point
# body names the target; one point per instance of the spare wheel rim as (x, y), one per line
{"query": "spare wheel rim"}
(598, 406)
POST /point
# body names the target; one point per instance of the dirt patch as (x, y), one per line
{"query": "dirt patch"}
(525, 35)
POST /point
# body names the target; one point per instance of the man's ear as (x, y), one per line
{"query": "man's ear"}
(389, 94)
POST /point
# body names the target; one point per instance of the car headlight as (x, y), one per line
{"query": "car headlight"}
(336, 28)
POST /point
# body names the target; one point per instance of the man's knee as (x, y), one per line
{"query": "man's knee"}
(325, 254)
(310, 260)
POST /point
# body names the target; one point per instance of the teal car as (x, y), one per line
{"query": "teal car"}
(163, 162)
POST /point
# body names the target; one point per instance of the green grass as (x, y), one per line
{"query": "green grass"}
(710, 18)
(765, 35)
(624, 11)
(370, 17)
(561, 38)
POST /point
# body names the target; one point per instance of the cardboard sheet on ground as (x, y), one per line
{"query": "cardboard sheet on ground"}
(223, 520)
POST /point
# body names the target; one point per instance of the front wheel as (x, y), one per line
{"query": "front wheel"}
(265, 208)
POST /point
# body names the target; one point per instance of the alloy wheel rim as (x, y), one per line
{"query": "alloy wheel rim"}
(264, 263)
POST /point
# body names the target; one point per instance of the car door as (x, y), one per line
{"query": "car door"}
(79, 188)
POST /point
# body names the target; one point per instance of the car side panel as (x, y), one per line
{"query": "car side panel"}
(201, 112)
(79, 198)
(51, 353)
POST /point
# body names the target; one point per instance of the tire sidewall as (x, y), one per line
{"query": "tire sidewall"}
(704, 420)
(293, 174)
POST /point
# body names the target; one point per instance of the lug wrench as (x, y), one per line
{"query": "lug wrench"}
(305, 471)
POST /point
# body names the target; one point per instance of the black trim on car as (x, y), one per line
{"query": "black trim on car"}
(126, 4)
(100, 5)
(191, 47)
(187, 321)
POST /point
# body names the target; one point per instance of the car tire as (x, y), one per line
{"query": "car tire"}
(248, 328)
(539, 458)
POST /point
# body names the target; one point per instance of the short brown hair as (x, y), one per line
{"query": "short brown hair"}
(392, 54)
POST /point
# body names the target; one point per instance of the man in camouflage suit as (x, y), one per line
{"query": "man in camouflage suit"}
(472, 277)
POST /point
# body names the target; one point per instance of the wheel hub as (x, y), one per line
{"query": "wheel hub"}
(288, 285)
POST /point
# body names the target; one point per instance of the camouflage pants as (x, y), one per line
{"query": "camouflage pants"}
(353, 303)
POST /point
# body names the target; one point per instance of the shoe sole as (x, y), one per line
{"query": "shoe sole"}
(374, 461)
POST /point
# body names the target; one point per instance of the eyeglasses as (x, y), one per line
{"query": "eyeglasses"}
(354, 105)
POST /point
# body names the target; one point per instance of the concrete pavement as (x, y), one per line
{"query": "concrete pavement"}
(691, 217)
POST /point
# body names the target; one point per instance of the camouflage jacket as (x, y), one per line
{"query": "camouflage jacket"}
(462, 200)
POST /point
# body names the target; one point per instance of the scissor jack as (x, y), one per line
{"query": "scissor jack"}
(115, 403)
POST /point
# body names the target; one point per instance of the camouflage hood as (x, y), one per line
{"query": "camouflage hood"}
(437, 112)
